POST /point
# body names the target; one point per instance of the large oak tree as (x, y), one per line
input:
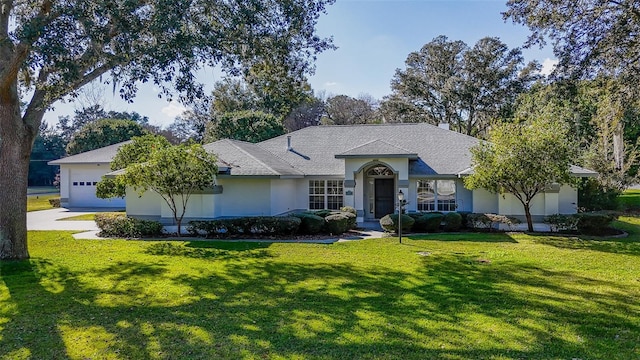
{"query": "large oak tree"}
(50, 49)
(466, 87)
(589, 37)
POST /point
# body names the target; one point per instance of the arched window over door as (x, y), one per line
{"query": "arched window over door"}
(380, 170)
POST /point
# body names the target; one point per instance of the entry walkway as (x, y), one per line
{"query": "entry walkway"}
(50, 219)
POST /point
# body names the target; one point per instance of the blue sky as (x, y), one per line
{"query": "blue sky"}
(373, 37)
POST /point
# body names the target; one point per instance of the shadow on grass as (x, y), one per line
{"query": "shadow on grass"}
(450, 307)
(211, 250)
(629, 245)
(469, 237)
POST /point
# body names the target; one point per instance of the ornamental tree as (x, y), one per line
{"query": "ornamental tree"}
(51, 49)
(173, 172)
(523, 159)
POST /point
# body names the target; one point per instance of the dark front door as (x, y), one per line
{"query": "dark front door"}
(384, 189)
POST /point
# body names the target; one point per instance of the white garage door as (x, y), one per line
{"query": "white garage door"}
(83, 194)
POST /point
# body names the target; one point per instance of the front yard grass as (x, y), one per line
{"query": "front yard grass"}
(40, 202)
(457, 296)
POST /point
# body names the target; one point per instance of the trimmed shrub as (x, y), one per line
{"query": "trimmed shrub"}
(338, 223)
(119, 225)
(452, 221)
(510, 221)
(428, 222)
(595, 223)
(352, 218)
(561, 222)
(465, 218)
(321, 213)
(479, 221)
(390, 223)
(310, 224)
(55, 202)
(349, 209)
(415, 215)
(257, 225)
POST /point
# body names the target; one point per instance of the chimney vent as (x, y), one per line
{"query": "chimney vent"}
(288, 142)
(444, 126)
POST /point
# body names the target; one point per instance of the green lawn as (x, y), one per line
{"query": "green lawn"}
(40, 202)
(482, 296)
(630, 199)
(82, 217)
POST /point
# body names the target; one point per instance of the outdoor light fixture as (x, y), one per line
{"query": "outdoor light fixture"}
(400, 204)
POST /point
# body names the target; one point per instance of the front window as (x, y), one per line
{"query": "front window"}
(436, 195)
(327, 194)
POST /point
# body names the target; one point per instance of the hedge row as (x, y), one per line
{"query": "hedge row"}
(589, 223)
(452, 221)
(309, 222)
(255, 225)
(119, 225)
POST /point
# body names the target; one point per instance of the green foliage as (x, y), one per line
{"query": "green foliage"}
(119, 225)
(48, 145)
(490, 221)
(345, 110)
(479, 221)
(562, 222)
(310, 224)
(595, 223)
(523, 159)
(109, 188)
(338, 223)
(322, 213)
(138, 151)
(390, 223)
(452, 221)
(428, 222)
(465, 218)
(55, 202)
(589, 37)
(246, 226)
(102, 133)
(349, 209)
(251, 126)
(592, 196)
(448, 82)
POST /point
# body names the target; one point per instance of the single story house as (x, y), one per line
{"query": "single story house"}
(363, 166)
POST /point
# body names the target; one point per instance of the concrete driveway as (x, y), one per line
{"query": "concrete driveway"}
(49, 219)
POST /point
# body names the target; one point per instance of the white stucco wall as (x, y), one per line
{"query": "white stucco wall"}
(484, 201)
(243, 197)
(548, 203)
(510, 205)
(149, 204)
(283, 195)
(85, 195)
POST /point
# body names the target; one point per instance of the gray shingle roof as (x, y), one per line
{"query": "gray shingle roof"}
(377, 148)
(98, 156)
(440, 151)
(245, 158)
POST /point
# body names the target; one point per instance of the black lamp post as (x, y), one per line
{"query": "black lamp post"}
(400, 204)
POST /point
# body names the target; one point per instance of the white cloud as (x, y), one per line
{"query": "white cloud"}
(330, 84)
(173, 109)
(548, 65)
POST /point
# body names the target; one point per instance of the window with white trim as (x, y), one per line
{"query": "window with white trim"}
(326, 194)
(437, 195)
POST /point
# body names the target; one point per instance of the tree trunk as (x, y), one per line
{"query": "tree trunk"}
(527, 212)
(16, 141)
